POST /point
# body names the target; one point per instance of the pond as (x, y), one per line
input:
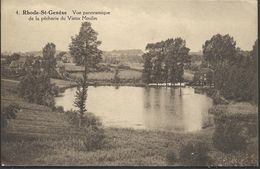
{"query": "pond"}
(168, 109)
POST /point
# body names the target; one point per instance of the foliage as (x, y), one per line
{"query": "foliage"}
(59, 56)
(195, 153)
(81, 97)
(8, 112)
(147, 68)
(49, 61)
(235, 71)
(88, 119)
(37, 88)
(13, 57)
(230, 134)
(59, 109)
(94, 138)
(85, 44)
(219, 49)
(84, 49)
(171, 157)
(164, 61)
(91, 126)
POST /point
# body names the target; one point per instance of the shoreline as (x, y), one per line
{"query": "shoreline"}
(97, 84)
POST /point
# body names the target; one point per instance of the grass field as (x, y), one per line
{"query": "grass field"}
(39, 136)
(63, 83)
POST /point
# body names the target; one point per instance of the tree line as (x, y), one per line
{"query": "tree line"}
(235, 71)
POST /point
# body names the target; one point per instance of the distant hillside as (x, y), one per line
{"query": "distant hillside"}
(120, 56)
(196, 56)
(30, 53)
(123, 56)
(196, 53)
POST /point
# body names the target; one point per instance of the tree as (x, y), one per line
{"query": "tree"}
(81, 97)
(60, 55)
(8, 113)
(49, 61)
(36, 66)
(84, 48)
(235, 70)
(147, 68)
(219, 52)
(13, 57)
(254, 72)
(85, 44)
(176, 56)
(165, 60)
(36, 88)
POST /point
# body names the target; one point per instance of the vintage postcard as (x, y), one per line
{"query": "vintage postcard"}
(129, 83)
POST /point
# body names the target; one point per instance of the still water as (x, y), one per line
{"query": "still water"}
(170, 109)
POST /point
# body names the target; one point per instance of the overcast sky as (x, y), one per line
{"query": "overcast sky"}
(131, 24)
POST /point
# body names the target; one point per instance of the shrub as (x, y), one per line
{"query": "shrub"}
(195, 154)
(89, 119)
(8, 112)
(59, 109)
(94, 138)
(72, 117)
(230, 134)
(171, 157)
(91, 126)
(37, 88)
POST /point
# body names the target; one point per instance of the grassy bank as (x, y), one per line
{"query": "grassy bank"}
(39, 136)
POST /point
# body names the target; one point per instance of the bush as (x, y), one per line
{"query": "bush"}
(89, 119)
(94, 135)
(59, 109)
(195, 154)
(72, 117)
(230, 134)
(8, 112)
(94, 138)
(37, 88)
(171, 157)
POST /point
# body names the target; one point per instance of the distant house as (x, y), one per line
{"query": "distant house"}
(204, 77)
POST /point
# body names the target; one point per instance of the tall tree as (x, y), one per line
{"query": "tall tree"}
(219, 52)
(165, 60)
(81, 97)
(147, 68)
(84, 48)
(49, 61)
(254, 72)
(85, 44)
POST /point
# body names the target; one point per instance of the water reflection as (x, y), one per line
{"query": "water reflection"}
(172, 109)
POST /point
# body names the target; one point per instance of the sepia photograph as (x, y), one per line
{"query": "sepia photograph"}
(129, 83)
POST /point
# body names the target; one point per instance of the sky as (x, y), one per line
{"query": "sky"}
(131, 23)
